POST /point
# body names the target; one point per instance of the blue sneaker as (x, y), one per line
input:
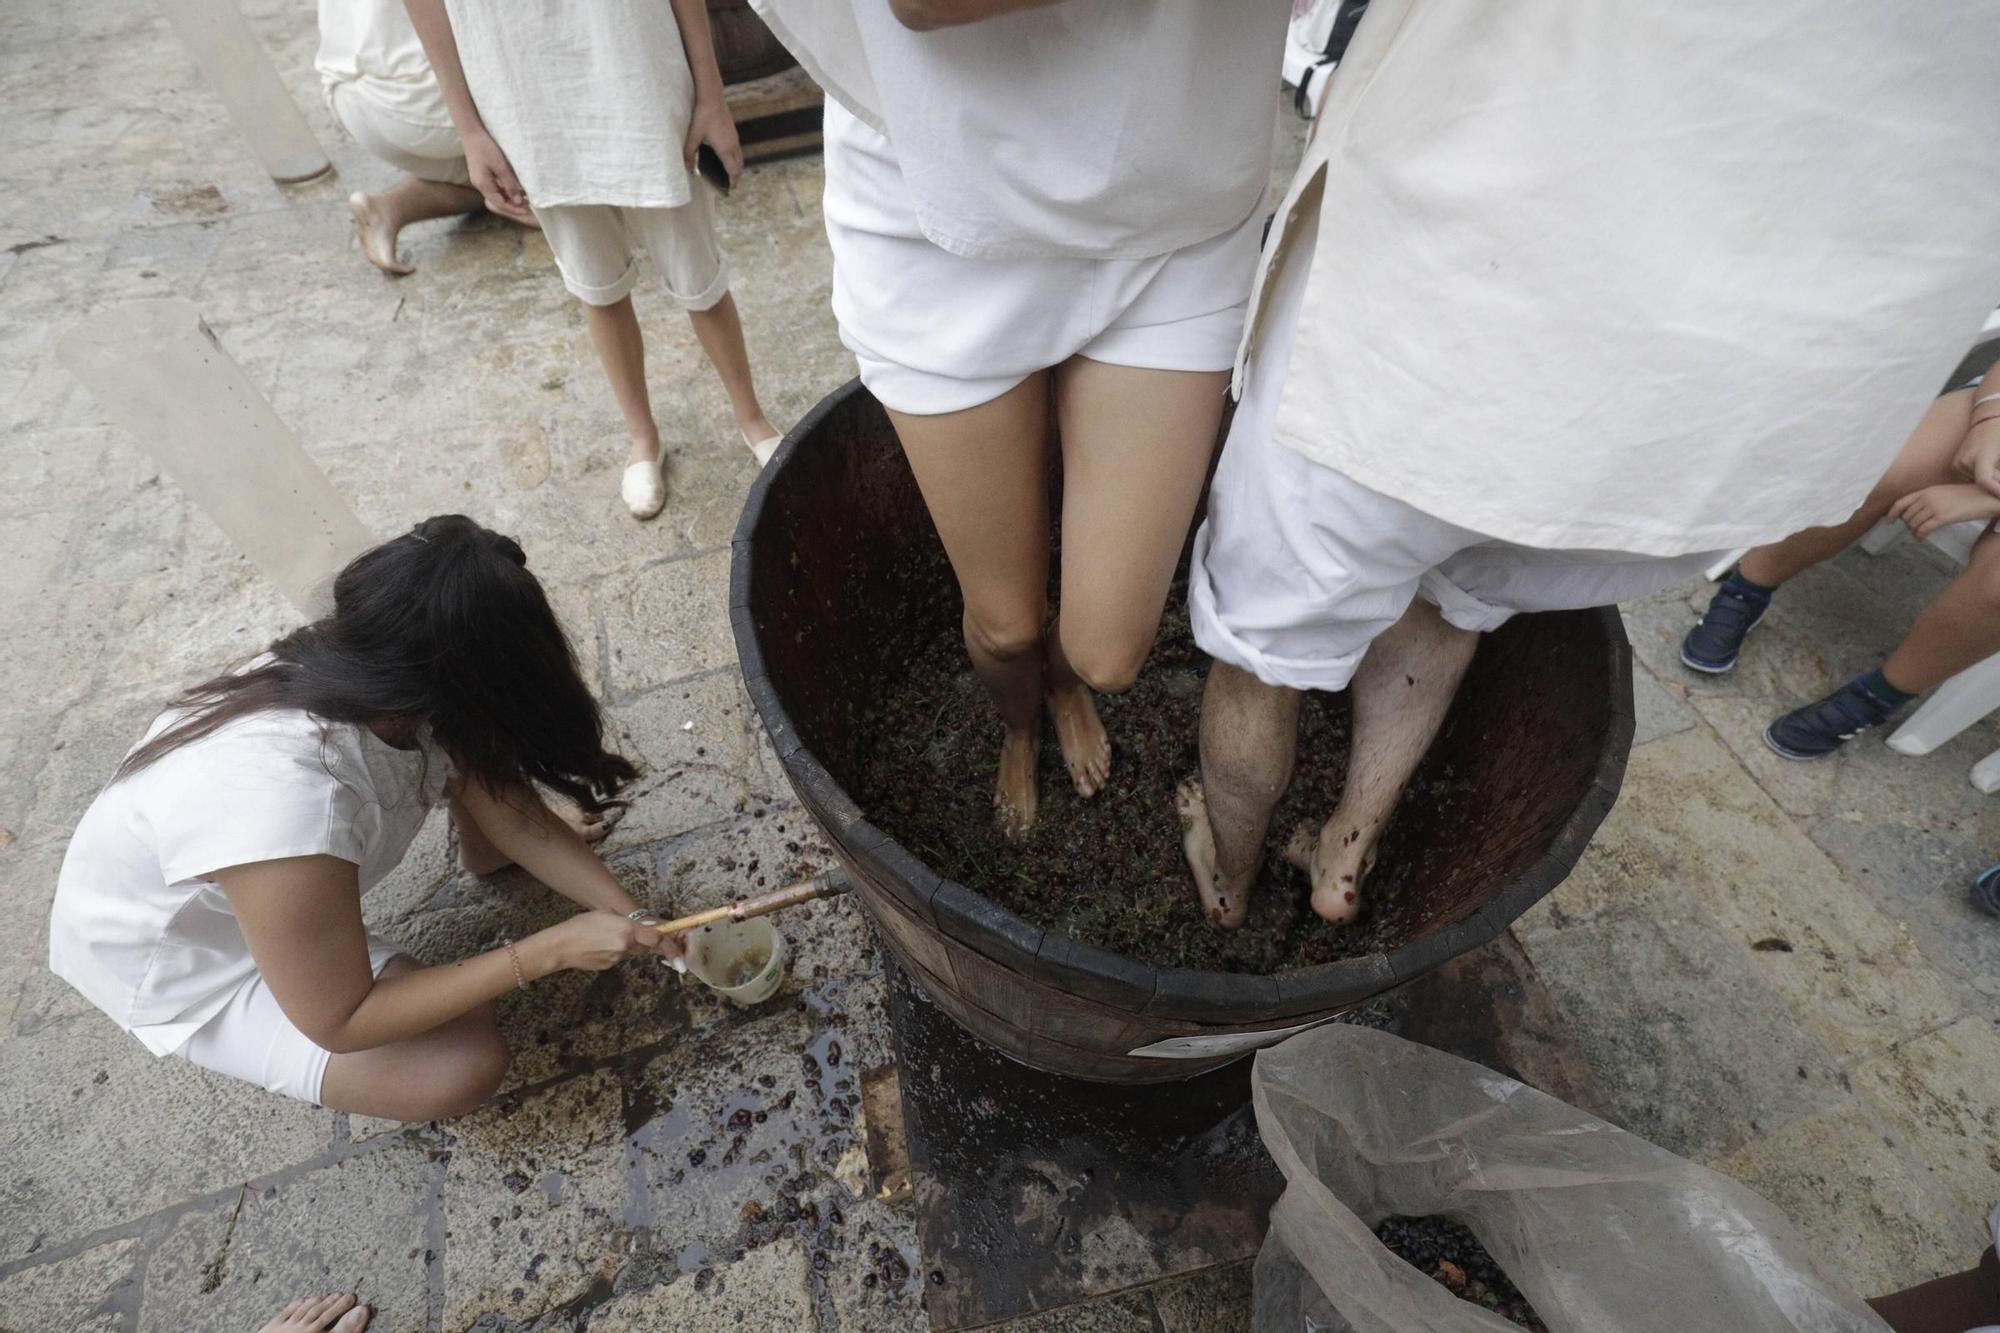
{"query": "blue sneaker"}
(1986, 894)
(1713, 644)
(1818, 729)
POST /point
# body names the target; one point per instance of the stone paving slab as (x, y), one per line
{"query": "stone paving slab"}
(1640, 988)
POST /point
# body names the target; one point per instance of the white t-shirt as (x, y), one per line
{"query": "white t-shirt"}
(589, 99)
(1092, 129)
(140, 929)
(1655, 278)
(371, 45)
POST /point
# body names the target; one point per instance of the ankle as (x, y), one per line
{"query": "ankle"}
(645, 449)
(1884, 691)
(1748, 588)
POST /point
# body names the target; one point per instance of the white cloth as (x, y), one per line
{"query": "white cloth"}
(1298, 568)
(428, 152)
(140, 927)
(1099, 129)
(1008, 318)
(589, 99)
(251, 1038)
(1659, 278)
(597, 248)
(370, 47)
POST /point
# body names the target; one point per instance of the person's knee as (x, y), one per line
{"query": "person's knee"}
(1109, 667)
(461, 1082)
(1005, 636)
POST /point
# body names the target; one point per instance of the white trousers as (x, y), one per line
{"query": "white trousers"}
(1298, 567)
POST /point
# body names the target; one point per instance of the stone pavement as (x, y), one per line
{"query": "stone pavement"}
(1767, 967)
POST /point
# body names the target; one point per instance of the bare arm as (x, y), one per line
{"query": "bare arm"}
(710, 121)
(521, 826)
(302, 919)
(492, 174)
(925, 15)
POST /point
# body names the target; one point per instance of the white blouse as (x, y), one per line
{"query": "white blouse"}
(1658, 278)
(140, 926)
(1093, 129)
(589, 99)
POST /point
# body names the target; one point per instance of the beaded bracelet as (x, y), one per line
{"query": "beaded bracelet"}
(520, 982)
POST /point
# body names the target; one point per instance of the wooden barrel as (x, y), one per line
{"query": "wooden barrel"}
(1541, 728)
(744, 47)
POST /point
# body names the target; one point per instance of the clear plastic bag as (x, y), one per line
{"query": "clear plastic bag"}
(1603, 1232)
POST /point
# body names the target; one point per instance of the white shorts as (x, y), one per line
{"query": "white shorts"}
(1298, 567)
(251, 1038)
(597, 248)
(428, 152)
(936, 332)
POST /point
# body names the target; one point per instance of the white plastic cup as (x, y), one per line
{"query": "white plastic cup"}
(742, 961)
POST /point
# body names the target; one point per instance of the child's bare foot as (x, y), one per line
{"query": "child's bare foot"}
(1014, 795)
(1339, 859)
(376, 231)
(1221, 904)
(320, 1314)
(1080, 732)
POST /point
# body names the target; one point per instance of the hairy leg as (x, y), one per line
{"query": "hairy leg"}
(1136, 446)
(1924, 461)
(1249, 742)
(379, 217)
(720, 331)
(1400, 695)
(614, 329)
(432, 1076)
(984, 477)
(1960, 627)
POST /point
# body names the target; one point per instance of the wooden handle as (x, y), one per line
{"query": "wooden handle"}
(825, 885)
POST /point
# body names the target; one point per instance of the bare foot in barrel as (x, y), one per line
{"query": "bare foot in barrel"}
(320, 1314)
(1086, 749)
(1014, 795)
(376, 231)
(1222, 905)
(1338, 857)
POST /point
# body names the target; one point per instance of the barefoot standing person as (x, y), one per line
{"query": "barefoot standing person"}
(588, 115)
(381, 90)
(1036, 209)
(1559, 302)
(210, 899)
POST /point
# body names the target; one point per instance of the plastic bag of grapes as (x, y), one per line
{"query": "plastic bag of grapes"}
(1427, 1194)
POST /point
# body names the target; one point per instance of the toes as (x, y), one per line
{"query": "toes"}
(1338, 903)
(1190, 803)
(353, 1321)
(1301, 846)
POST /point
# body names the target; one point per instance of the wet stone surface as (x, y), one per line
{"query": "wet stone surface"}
(471, 386)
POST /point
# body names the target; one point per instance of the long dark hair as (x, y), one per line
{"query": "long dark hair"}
(443, 627)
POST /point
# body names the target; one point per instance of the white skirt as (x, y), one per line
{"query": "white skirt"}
(935, 332)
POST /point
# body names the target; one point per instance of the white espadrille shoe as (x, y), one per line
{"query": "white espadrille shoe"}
(761, 450)
(644, 488)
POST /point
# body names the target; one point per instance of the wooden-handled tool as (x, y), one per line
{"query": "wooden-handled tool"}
(828, 884)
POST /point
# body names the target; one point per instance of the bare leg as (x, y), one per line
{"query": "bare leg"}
(444, 1072)
(479, 856)
(1925, 461)
(320, 1314)
(614, 329)
(1136, 445)
(1249, 741)
(378, 217)
(1400, 695)
(1960, 627)
(984, 476)
(720, 331)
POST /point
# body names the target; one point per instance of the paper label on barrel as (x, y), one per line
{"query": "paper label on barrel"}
(1222, 1043)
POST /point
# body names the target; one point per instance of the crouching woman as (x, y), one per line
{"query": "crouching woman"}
(210, 900)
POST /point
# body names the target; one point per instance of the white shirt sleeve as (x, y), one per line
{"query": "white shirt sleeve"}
(255, 793)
